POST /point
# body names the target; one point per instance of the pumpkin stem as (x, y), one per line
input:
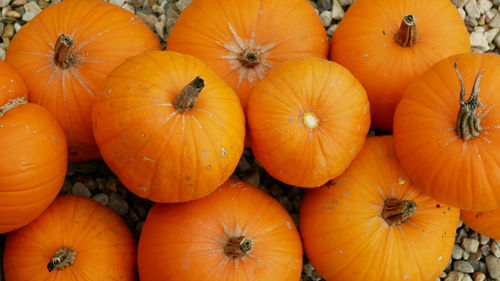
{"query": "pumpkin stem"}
(238, 247)
(250, 58)
(62, 258)
(185, 101)
(396, 212)
(63, 57)
(468, 123)
(407, 33)
(11, 104)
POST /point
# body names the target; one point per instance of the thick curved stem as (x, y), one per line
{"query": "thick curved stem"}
(407, 33)
(396, 212)
(468, 122)
(238, 247)
(63, 57)
(186, 99)
(62, 258)
(11, 104)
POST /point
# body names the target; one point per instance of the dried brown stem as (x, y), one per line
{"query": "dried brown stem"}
(62, 258)
(63, 57)
(189, 94)
(238, 247)
(407, 33)
(396, 212)
(468, 122)
(250, 58)
(11, 104)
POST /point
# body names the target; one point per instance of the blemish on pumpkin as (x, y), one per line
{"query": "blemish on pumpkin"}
(366, 55)
(401, 181)
(144, 157)
(142, 188)
(439, 258)
(108, 92)
(187, 178)
(209, 166)
(480, 214)
(438, 206)
(204, 153)
(341, 252)
(146, 89)
(383, 32)
(223, 152)
(288, 224)
(143, 135)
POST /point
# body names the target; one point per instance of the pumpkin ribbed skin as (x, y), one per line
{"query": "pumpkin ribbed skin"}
(485, 222)
(186, 241)
(364, 43)
(464, 174)
(104, 36)
(308, 119)
(12, 85)
(33, 164)
(269, 26)
(346, 237)
(104, 245)
(157, 152)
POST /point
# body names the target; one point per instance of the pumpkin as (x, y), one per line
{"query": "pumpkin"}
(33, 158)
(11, 84)
(484, 222)
(247, 38)
(168, 126)
(235, 233)
(75, 239)
(447, 131)
(387, 44)
(372, 223)
(64, 55)
(308, 119)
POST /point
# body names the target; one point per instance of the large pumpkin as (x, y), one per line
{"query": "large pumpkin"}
(11, 84)
(447, 131)
(387, 44)
(486, 222)
(308, 119)
(236, 233)
(373, 224)
(64, 55)
(33, 156)
(168, 126)
(75, 239)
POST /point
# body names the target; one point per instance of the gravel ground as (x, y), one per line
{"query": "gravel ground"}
(475, 257)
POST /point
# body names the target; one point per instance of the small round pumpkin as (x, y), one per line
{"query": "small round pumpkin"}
(372, 223)
(387, 44)
(168, 126)
(236, 233)
(447, 131)
(308, 119)
(484, 222)
(11, 84)
(64, 55)
(33, 158)
(75, 239)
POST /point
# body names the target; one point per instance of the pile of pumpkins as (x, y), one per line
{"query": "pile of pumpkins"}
(86, 79)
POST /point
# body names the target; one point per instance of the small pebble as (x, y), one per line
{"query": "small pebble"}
(463, 266)
(478, 276)
(326, 18)
(4, 3)
(457, 252)
(485, 250)
(337, 11)
(459, 3)
(460, 236)
(182, 4)
(150, 20)
(118, 204)
(332, 29)
(497, 41)
(479, 42)
(442, 275)
(101, 198)
(495, 249)
(43, 3)
(13, 14)
(484, 5)
(80, 189)
(472, 9)
(31, 10)
(454, 276)
(470, 245)
(129, 7)
(493, 265)
(495, 22)
(160, 29)
(17, 27)
(483, 239)
(489, 15)
(276, 190)
(18, 3)
(8, 31)
(344, 3)
(253, 178)
(324, 5)
(117, 2)
(466, 255)
(473, 257)
(137, 3)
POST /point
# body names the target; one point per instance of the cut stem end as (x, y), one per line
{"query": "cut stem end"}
(396, 212)
(407, 33)
(186, 99)
(238, 247)
(250, 58)
(63, 57)
(62, 258)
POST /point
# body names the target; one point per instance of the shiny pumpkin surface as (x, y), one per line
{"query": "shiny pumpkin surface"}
(346, 238)
(308, 119)
(104, 35)
(484, 222)
(157, 152)
(185, 241)
(364, 43)
(11, 84)
(465, 174)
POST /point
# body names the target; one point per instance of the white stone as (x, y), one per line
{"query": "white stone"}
(101, 198)
(182, 4)
(459, 3)
(337, 11)
(2, 53)
(4, 3)
(454, 276)
(326, 18)
(495, 22)
(493, 265)
(490, 34)
(344, 3)
(469, 244)
(332, 29)
(129, 7)
(160, 29)
(462, 13)
(117, 2)
(17, 27)
(497, 40)
(495, 249)
(467, 278)
(31, 10)
(484, 5)
(478, 41)
(457, 252)
(472, 9)
(483, 239)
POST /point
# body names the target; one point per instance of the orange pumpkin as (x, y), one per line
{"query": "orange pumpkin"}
(75, 239)
(373, 224)
(387, 44)
(11, 84)
(64, 55)
(308, 119)
(33, 157)
(236, 233)
(168, 126)
(485, 222)
(447, 131)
